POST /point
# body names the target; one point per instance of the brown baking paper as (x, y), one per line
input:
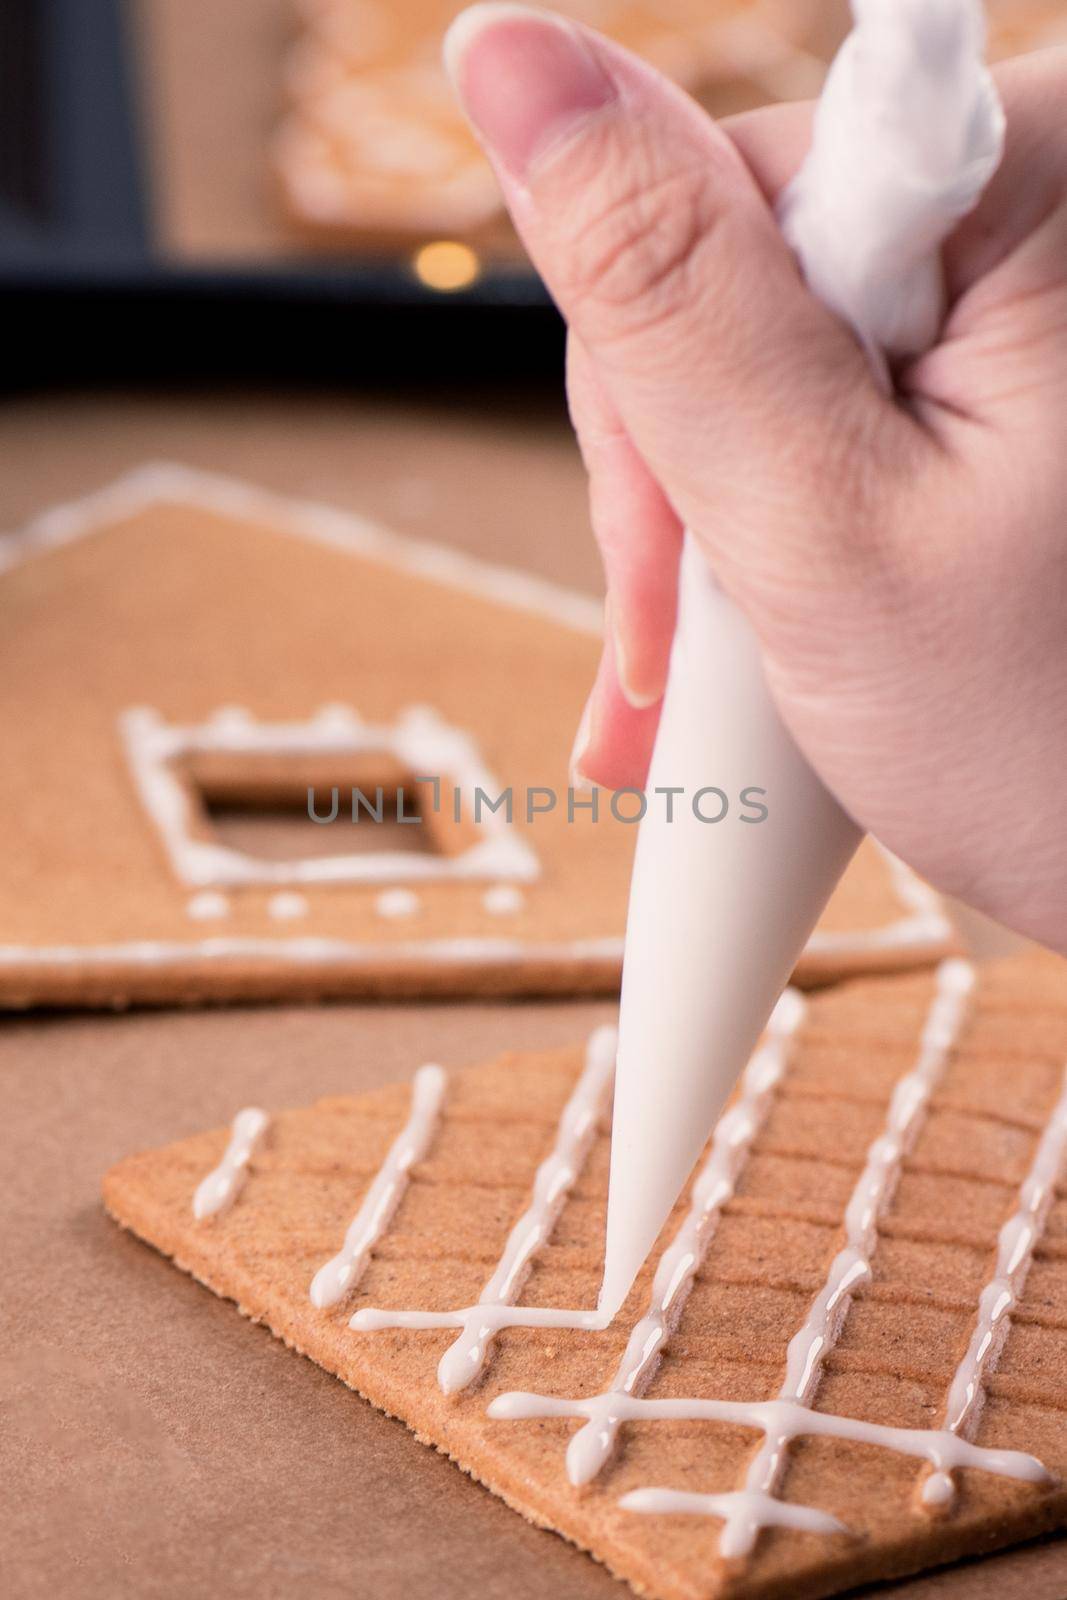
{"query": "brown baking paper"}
(162, 1443)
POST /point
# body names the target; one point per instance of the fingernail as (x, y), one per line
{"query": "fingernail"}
(640, 699)
(578, 778)
(525, 80)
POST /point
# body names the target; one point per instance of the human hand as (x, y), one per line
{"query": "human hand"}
(903, 560)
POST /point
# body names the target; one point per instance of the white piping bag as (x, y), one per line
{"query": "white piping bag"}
(907, 134)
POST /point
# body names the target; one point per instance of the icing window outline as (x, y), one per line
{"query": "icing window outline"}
(419, 739)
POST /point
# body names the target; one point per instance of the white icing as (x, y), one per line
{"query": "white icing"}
(342, 1272)
(397, 903)
(591, 1447)
(925, 925)
(503, 900)
(1015, 1253)
(772, 1513)
(745, 1511)
(207, 906)
(231, 722)
(167, 483)
(221, 1187)
(163, 483)
(852, 1265)
(308, 949)
(910, 933)
(754, 1506)
(419, 739)
(287, 905)
(478, 1324)
(921, 900)
(775, 1419)
(491, 1317)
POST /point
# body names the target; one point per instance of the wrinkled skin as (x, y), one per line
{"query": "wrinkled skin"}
(903, 560)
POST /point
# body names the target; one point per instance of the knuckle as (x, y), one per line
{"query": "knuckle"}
(633, 261)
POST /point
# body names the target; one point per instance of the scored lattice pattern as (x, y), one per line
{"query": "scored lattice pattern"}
(372, 138)
(768, 1255)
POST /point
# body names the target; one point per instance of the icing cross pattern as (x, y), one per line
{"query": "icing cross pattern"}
(755, 1505)
(554, 1179)
(745, 1511)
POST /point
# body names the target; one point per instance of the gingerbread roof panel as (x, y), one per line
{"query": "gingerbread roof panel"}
(258, 748)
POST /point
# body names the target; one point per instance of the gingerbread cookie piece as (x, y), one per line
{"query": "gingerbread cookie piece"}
(846, 1362)
(373, 138)
(186, 658)
(261, 749)
(881, 918)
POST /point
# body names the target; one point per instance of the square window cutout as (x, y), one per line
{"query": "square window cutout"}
(329, 800)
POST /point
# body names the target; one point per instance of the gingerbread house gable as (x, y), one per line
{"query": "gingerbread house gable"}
(193, 665)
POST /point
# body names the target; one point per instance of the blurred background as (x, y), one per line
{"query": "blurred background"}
(256, 236)
(284, 187)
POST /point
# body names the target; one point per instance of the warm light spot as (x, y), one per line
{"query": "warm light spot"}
(447, 266)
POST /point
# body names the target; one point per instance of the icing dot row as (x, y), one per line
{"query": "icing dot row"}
(209, 905)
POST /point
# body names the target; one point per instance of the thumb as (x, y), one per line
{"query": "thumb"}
(665, 258)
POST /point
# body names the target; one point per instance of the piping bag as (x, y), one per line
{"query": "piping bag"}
(907, 134)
